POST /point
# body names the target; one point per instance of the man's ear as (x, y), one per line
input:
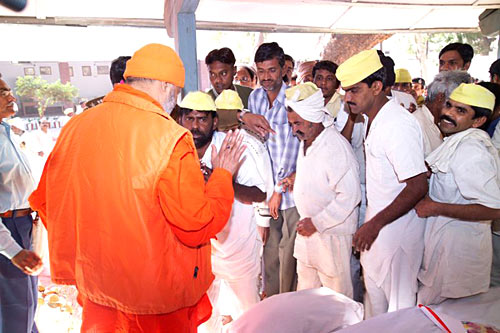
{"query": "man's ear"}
(466, 66)
(377, 88)
(216, 121)
(440, 98)
(478, 122)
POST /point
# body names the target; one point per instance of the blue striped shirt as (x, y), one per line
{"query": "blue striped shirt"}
(283, 146)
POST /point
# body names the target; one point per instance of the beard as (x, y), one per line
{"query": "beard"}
(170, 101)
(202, 139)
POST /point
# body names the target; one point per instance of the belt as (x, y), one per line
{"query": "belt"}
(16, 212)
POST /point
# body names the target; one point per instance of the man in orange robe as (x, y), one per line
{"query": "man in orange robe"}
(128, 213)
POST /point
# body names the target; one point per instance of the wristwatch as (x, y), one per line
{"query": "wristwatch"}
(278, 188)
(240, 115)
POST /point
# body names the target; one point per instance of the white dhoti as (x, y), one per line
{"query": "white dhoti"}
(338, 278)
(397, 291)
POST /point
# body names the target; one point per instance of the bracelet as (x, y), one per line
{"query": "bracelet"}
(240, 115)
(278, 188)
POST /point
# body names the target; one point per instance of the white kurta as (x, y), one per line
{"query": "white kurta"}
(431, 133)
(394, 153)
(327, 190)
(496, 137)
(457, 257)
(235, 252)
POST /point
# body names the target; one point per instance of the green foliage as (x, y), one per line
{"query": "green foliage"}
(481, 44)
(43, 92)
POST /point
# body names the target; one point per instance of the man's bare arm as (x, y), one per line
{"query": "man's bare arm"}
(471, 212)
(248, 194)
(416, 188)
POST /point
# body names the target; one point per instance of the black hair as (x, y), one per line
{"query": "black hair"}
(495, 90)
(117, 69)
(186, 111)
(379, 75)
(420, 81)
(494, 68)
(224, 55)
(269, 51)
(481, 112)
(326, 65)
(465, 50)
(389, 73)
(289, 58)
(250, 72)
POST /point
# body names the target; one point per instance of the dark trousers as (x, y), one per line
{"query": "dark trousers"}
(18, 291)
(280, 266)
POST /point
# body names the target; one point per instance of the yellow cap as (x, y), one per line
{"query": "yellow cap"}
(198, 100)
(358, 67)
(402, 76)
(306, 90)
(229, 100)
(474, 95)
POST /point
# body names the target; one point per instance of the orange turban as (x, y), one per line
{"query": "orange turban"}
(157, 62)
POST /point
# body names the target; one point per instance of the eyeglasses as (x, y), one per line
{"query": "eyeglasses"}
(6, 92)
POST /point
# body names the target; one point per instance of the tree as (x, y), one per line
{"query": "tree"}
(43, 92)
(423, 44)
(341, 47)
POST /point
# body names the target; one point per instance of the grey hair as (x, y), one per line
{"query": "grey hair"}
(445, 82)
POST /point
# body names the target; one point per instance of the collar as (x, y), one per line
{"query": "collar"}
(281, 95)
(233, 87)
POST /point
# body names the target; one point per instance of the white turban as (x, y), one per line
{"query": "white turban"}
(307, 100)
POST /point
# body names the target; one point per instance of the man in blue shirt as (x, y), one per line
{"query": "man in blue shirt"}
(269, 119)
(18, 289)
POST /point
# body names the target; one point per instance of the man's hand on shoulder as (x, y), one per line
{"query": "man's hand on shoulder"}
(257, 123)
(27, 261)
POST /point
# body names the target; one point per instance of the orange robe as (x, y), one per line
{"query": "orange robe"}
(128, 214)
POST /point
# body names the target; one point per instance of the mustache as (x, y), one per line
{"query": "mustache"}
(299, 133)
(195, 131)
(445, 117)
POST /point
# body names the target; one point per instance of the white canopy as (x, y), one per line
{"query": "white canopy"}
(267, 15)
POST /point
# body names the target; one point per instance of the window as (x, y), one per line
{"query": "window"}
(86, 71)
(71, 73)
(45, 70)
(103, 70)
(29, 70)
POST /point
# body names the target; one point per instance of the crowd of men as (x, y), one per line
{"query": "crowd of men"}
(355, 177)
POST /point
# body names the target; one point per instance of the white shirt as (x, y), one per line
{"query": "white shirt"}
(234, 250)
(327, 190)
(16, 185)
(496, 136)
(394, 153)
(460, 251)
(39, 141)
(430, 131)
(357, 139)
(403, 99)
